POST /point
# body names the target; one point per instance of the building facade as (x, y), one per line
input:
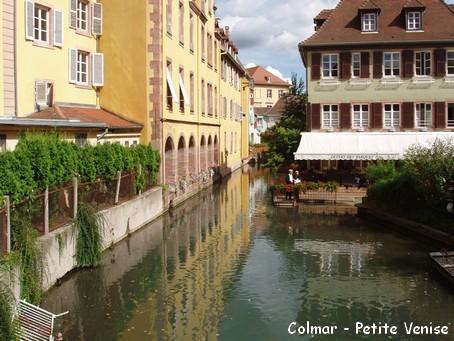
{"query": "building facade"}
(171, 68)
(53, 73)
(382, 67)
(267, 91)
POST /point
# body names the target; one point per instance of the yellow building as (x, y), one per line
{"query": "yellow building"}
(53, 72)
(164, 61)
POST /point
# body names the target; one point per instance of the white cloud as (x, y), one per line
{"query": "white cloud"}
(267, 32)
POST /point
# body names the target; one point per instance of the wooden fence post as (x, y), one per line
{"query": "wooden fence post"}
(46, 211)
(8, 224)
(117, 191)
(75, 196)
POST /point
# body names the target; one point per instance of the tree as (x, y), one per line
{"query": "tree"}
(283, 138)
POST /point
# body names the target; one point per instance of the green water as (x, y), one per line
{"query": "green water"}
(227, 265)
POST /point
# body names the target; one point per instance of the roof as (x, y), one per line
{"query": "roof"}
(362, 146)
(276, 110)
(83, 115)
(259, 74)
(343, 26)
(324, 14)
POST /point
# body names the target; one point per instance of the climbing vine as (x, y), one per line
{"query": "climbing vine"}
(89, 228)
(6, 327)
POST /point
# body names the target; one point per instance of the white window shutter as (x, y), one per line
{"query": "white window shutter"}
(73, 13)
(58, 28)
(96, 18)
(98, 69)
(41, 92)
(72, 65)
(29, 20)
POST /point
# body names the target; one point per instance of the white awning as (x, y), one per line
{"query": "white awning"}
(362, 146)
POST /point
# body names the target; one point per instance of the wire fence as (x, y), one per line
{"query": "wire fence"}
(54, 208)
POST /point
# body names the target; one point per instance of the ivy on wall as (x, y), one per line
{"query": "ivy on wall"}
(47, 160)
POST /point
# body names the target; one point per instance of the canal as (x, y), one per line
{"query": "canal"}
(227, 265)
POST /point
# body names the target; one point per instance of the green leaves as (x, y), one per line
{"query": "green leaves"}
(43, 160)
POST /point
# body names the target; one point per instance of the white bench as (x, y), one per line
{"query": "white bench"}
(35, 323)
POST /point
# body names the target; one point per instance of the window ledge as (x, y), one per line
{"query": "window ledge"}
(391, 81)
(329, 82)
(448, 79)
(422, 80)
(360, 81)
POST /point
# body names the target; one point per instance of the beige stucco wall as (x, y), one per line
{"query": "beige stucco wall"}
(125, 46)
(51, 63)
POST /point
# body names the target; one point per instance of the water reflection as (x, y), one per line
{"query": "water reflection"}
(227, 265)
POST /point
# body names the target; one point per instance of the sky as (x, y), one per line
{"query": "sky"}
(267, 32)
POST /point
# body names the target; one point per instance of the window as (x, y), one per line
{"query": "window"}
(423, 114)
(369, 22)
(82, 16)
(171, 95)
(86, 16)
(356, 64)
(392, 63)
(450, 63)
(169, 16)
(450, 122)
(330, 115)
(39, 24)
(423, 64)
(360, 115)
(81, 139)
(330, 65)
(183, 96)
(191, 32)
(392, 115)
(86, 68)
(181, 23)
(2, 142)
(280, 93)
(203, 98)
(82, 67)
(269, 93)
(191, 85)
(414, 21)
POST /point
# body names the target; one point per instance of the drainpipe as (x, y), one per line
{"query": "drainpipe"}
(103, 134)
(15, 58)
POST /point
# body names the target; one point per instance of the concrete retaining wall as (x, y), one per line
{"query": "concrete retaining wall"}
(121, 220)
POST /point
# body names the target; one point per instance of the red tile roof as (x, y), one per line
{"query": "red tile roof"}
(343, 26)
(259, 75)
(86, 115)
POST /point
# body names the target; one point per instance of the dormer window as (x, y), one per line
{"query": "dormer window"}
(414, 20)
(369, 22)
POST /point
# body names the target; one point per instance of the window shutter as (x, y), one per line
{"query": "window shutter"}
(378, 60)
(41, 92)
(408, 61)
(72, 65)
(29, 20)
(440, 115)
(408, 117)
(171, 87)
(96, 18)
(345, 58)
(365, 73)
(73, 13)
(315, 116)
(58, 28)
(345, 116)
(440, 62)
(315, 67)
(377, 116)
(98, 69)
